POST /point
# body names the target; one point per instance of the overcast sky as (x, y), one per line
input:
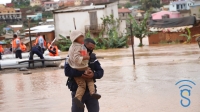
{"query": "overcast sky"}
(8, 1)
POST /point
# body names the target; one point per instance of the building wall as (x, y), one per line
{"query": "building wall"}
(35, 3)
(181, 6)
(10, 14)
(185, 14)
(15, 29)
(123, 16)
(171, 36)
(123, 26)
(195, 12)
(51, 6)
(64, 23)
(2, 6)
(112, 9)
(159, 15)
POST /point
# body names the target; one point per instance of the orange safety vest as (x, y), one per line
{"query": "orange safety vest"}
(48, 45)
(1, 49)
(50, 54)
(14, 44)
(36, 42)
(23, 47)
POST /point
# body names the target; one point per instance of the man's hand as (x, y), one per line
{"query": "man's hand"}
(90, 75)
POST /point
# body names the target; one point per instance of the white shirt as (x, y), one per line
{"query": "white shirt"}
(18, 43)
(41, 41)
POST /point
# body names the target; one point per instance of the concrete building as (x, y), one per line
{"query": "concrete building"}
(181, 5)
(123, 16)
(195, 11)
(10, 14)
(16, 28)
(35, 17)
(48, 6)
(35, 3)
(83, 18)
(167, 14)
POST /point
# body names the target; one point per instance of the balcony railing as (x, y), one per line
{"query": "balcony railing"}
(94, 28)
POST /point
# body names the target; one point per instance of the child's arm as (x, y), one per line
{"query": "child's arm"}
(78, 57)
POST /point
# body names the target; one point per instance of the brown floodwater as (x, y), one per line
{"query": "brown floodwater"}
(149, 86)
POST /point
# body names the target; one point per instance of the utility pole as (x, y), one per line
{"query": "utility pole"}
(132, 44)
(29, 34)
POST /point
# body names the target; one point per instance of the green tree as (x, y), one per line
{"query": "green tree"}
(140, 29)
(149, 4)
(128, 5)
(47, 14)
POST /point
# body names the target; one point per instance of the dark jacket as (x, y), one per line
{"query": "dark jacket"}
(70, 72)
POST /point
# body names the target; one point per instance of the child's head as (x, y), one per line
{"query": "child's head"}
(80, 39)
(77, 36)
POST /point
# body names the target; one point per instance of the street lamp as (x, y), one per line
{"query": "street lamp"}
(30, 33)
(132, 44)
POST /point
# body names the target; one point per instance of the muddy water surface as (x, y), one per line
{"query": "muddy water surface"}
(147, 87)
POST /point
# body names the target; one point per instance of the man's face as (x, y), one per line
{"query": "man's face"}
(90, 46)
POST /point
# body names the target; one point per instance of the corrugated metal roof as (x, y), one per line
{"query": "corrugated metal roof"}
(16, 26)
(81, 8)
(124, 10)
(42, 29)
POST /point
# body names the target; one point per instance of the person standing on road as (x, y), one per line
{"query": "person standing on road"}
(91, 103)
(16, 47)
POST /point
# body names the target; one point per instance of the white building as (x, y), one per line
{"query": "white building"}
(180, 5)
(83, 18)
(48, 6)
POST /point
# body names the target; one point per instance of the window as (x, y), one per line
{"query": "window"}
(123, 14)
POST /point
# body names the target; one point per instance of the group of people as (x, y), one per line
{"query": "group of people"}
(39, 47)
(82, 70)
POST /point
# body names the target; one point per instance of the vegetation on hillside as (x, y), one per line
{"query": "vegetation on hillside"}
(149, 4)
(21, 3)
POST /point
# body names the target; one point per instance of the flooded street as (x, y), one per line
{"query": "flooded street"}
(149, 86)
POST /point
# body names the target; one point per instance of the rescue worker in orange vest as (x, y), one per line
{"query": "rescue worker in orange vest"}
(48, 44)
(16, 47)
(1, 51)
(23, 47)
(40, 41)
(53, 50)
